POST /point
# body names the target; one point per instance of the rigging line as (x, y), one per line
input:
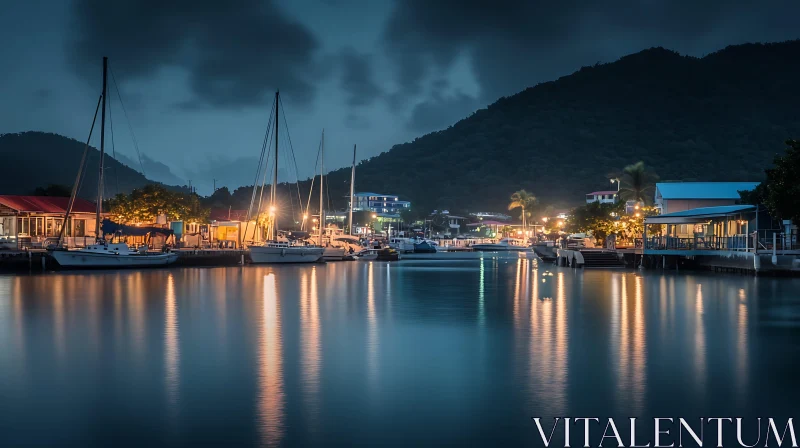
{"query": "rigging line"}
(130, 127)
(260, 163)
(258, 172)
(290, 195)
(113, 148)
(313, 178)
(267, 172)
(81, 173)
(311, 187)
(291, 148)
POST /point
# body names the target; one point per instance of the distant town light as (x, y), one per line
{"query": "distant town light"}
(305, 216)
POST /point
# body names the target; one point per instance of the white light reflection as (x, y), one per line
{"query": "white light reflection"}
(372, 327)
(699, 341)
(741, 349)
(171, 348)
(270, 381)
(482, 295)
(311, 351)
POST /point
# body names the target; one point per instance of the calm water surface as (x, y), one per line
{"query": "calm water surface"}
(374, 354)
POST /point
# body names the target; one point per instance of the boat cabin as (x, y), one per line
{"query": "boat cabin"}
(34, 222)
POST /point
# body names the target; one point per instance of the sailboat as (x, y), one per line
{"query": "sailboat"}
(102, 254)
(331, 252)
(279, 250)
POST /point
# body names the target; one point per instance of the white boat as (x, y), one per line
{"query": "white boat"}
(103, 254)
(333, 254)
(277, 251)
(500, 246)
(114, 255)
(367, 255)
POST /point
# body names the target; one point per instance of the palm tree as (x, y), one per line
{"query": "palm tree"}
(524, 200)
(637, 183)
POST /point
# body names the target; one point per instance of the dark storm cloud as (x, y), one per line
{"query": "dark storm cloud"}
(358, 80)
(513, 44)
(441, 109)
(235, 53)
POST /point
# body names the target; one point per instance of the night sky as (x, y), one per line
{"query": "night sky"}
(198, 77)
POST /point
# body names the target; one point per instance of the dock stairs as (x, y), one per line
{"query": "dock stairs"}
(601, 259)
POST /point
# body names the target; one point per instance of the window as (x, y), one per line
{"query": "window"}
(6, 225)
(23, 226)
(80, 227)
(37, 226)
(52, 226)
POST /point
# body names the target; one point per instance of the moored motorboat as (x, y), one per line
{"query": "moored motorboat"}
(114, 255)
(367, 255)
(333, 253)
(500, 246)
(282, 252)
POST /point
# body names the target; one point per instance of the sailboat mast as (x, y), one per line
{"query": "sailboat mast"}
(321, 187)
(273, 207)
(352, 186)
(102, 151)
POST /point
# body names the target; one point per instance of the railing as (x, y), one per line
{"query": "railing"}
(732, 243)
(777, 239)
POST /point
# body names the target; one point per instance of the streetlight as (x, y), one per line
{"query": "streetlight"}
(374, 215)
(544, 219)
(617, 181)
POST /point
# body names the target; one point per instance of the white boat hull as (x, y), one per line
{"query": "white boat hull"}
(87, 259)
(277, 255)
(333, 254)
(499, 248)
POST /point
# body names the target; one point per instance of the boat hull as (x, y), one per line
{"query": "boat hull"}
(498, 248)
(333, 254)
(85, 259)
(285, 255)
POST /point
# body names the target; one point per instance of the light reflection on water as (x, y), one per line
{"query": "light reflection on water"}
(360, 353)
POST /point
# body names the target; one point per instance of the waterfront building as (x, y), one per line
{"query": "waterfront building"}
(228, 228)
(35, 221)
(603, 197)
(387, 204)
(673, 197)
(734, 235)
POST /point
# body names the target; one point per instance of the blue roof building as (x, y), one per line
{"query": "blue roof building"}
(387, 204)
(671, 197)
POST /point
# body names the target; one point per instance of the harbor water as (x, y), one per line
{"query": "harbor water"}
(415, 353)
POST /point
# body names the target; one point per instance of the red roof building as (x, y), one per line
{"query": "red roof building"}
(33, 220)
(44, 204)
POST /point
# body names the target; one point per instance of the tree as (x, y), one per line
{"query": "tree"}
(637, 183)
(221, 198)
(524, 200)
(53, 190)
(144, 205)
(632, 226)
(780, 193)
(595, 218)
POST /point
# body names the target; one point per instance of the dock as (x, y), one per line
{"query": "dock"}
(38, 260)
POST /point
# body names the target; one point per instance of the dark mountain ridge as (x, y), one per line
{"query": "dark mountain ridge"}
(716, 118)
(37, 159)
